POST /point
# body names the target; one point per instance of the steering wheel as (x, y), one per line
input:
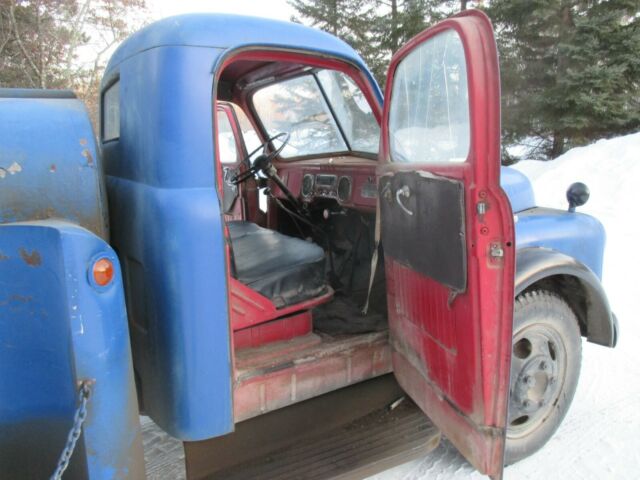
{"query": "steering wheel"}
(263, 161)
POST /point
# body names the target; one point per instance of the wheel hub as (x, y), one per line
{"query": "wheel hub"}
(537, 374)
(533, 387)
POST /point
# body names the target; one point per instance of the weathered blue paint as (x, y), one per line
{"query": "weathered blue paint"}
(518, 188)
(49, 162)
(167, 227)
(164, 206)
(577, 235)
(234, 32)
(56, 330)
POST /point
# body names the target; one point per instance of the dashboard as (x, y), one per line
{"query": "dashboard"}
(351, 181)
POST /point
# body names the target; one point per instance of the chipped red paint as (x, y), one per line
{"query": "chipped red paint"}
(275, 376)
(453, 355)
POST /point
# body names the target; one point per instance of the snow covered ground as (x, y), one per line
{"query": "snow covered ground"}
(600, 436)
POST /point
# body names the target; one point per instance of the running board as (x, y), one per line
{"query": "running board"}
(381, 438)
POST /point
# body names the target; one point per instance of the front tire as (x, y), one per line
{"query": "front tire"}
(545, 366)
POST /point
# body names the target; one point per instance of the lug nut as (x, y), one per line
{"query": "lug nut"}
(526, 404)
(543, 365)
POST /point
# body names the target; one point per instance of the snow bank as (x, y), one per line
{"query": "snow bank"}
(600, 437)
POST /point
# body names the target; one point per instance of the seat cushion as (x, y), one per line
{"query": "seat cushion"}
(285, 269)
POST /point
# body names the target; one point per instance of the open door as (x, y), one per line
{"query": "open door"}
(447, 234)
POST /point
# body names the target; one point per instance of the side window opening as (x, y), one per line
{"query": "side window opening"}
(227, 146)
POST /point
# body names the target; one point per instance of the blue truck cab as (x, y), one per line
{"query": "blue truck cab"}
(258, 245)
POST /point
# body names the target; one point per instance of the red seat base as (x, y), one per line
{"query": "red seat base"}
(255, 320)
(275, 330)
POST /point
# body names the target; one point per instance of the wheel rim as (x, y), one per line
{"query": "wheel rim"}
(538, 371)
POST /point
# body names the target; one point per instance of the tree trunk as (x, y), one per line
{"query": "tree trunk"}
(557, 148)
(394, 26)
(463, 5)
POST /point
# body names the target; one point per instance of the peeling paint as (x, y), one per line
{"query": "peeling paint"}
(14, 168)
(83, 141)
(32, 259)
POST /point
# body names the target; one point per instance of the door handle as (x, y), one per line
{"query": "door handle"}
(403, 192)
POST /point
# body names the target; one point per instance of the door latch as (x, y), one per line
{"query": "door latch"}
(403, 192)
(496, 250)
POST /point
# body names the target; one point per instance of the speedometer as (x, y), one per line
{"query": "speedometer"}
(307, 185)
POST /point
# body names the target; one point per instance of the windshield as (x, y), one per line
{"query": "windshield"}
(324, 112)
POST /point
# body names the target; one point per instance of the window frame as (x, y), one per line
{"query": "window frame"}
(103, 112)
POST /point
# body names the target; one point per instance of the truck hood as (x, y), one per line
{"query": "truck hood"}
(518, 188)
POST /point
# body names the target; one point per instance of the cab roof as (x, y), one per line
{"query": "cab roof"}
(225, 31)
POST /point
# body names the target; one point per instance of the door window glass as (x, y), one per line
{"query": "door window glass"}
(429, 111)
(226, 140)
(352, 110)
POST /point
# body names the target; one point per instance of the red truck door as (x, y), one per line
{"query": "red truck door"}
(447, 234)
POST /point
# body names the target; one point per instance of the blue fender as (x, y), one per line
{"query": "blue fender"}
(58, 329)
(576, 283)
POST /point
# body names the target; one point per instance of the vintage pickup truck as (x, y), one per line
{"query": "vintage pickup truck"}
(257, 242)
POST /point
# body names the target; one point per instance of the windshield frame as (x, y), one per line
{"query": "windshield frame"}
(313, 72)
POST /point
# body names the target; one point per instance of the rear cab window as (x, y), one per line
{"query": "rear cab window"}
(111, 113)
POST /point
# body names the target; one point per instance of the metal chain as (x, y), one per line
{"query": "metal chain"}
(74, 433)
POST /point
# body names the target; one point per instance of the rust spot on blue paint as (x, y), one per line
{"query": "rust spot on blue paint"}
(87, 154)
(53, 168)
(83, 141)
(32, 259)
(3, 257)
(21, 298)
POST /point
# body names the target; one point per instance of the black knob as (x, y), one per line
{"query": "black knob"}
(577, 195)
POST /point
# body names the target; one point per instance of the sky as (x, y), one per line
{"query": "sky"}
(277, 9)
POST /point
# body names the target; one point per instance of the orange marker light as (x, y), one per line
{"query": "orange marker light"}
(103, 271)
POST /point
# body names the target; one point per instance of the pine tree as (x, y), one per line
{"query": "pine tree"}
(569, 68)
(375, 28)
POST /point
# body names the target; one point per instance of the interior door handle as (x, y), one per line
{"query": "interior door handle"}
(403, 192)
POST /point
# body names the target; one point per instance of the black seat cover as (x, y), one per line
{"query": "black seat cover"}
(285, 269)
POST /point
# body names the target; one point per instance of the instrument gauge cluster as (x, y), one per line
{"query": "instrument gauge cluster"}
(324, 185)
(349, 188)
